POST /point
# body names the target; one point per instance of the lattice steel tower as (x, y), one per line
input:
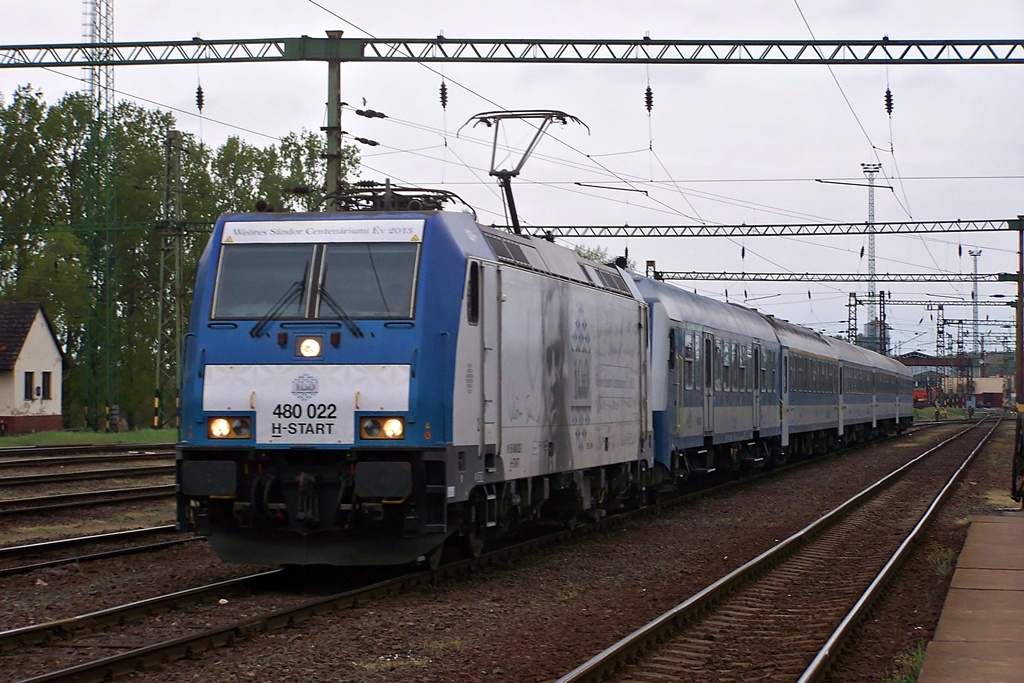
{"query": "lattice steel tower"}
(102, 341)
(975, 253)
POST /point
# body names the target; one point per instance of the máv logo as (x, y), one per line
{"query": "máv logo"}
(305, 387)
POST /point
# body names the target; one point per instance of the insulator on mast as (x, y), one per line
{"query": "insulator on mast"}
(444, 95)
(200, 99)
(888, 102)
(649, 99)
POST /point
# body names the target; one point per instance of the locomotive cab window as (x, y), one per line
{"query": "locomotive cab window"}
(254, 279)
(370, 280)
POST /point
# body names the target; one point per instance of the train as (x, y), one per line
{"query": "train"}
(365, 386)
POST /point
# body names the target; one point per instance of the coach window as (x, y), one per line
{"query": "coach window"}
(736, 386)
(671, 348)
(743, 351)
(762, 374)
(718, 365)
(689, 360)
(726, 366)
(473, 294)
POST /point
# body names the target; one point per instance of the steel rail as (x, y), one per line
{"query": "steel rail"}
(159, 654)
(104, 555)
(110, 448)
(633, 645)
(84, 459)
(62, 543)
(19, 506)
(62, 629)
(86, 475)
(10, 552)
(828, 654)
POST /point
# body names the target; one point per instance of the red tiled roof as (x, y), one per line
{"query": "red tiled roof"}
(15, 322)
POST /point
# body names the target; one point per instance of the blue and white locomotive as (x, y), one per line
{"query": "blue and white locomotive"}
(360, 386)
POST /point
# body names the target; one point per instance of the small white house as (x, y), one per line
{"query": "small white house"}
(31, 370)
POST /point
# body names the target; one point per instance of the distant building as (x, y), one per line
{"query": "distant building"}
(988, 392)
(872, 337)
(31, 370)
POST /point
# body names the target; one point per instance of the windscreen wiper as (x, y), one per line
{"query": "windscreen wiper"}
(291, 294)
(340, 312)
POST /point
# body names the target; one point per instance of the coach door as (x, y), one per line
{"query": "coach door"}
(709, 383)
(490, 353)
(757, 387)
(784, 404)
(841, 401)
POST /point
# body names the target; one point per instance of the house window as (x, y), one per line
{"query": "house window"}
(30, 383)
(47, 386)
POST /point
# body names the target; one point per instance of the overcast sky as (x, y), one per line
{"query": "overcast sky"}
(724, 144)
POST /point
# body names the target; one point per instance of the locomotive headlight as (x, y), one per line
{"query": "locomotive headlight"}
(309, 347)
(393, 428)
(228, 428)
(219, 428)
(382, 428)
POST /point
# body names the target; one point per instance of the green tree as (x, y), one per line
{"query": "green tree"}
(44, 242)
(600, 255)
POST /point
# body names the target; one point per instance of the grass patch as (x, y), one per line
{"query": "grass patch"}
(928, 414)
(908, 665)
(86, 438)
(439, 646)
(942, 561)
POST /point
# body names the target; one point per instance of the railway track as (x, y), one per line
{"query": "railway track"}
(35, 551)
(51, 503)
(785, 614)
(113, 653)
(86, 475)
(55, 451)
(26, 462)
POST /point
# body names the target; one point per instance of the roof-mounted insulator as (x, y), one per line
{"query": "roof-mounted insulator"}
(649, 99)
(444, 95)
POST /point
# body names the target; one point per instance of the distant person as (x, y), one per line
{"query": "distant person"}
(3, 427)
